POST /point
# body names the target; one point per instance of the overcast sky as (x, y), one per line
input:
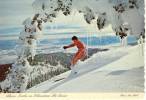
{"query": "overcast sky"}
(13, 12)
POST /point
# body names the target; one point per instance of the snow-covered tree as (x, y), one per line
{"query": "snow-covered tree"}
(18, 76)
(114, 12)
(17, 79)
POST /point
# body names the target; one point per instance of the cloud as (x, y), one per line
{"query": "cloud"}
(13, 12)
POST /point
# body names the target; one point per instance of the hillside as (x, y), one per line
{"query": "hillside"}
(117, 70)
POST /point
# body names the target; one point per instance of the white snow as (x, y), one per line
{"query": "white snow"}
(7, 56)
(105, 12)
(7, 59)
(131, 17)
(117, 70)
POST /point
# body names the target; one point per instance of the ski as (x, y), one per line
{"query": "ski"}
(59, 79)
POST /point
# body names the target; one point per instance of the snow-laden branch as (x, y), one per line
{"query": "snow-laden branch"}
(114, 12)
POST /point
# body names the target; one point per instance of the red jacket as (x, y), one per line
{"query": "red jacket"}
(79, 45)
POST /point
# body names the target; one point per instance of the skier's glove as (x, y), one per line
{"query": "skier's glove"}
(64, 47)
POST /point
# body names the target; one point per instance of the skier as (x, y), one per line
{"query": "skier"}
(81, 53)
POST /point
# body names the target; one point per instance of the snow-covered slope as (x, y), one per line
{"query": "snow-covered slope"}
(117, 70)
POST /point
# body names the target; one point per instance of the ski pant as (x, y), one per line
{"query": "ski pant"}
(80, 55)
